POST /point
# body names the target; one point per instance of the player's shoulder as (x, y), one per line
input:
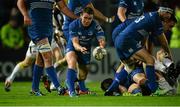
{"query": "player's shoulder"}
(75, 23)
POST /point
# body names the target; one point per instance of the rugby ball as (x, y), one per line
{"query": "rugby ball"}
(99, 53)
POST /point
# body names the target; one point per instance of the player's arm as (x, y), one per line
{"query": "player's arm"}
(122, 13)
(164, 43)
(99, 15)
(22, 7)
(77, 46)
(65, 10)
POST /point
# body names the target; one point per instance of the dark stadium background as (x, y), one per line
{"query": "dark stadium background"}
(10, 57)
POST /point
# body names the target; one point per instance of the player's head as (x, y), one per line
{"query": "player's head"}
(168, 25)
(165, 13)
(87, 16)
(106, 83)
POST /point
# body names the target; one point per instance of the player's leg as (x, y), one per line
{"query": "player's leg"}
(21, 66)
(82, 75)
(71, 75)
(143, 55)
(164, 87)
(47, 57)
(57, 55)
(120, 76)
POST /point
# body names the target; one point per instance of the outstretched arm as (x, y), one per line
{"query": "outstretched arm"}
(163, 41)
(99, 15)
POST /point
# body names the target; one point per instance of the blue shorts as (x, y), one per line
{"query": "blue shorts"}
(81, 58)
(126, 47)
(38, 33)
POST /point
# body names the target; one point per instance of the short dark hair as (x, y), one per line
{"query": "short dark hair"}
(88, 10)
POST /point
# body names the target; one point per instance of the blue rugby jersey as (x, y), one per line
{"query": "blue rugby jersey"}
(145, 24)
(85, 34)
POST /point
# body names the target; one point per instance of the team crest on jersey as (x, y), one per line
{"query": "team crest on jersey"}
(135, 3)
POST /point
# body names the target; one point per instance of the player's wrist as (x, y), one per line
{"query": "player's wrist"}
(109, 20)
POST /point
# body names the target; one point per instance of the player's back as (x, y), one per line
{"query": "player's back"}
(120, 28)
(142, 26)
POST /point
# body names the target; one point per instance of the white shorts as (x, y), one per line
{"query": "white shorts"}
(32, 50)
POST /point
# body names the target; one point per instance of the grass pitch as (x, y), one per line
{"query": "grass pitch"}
(19, 96)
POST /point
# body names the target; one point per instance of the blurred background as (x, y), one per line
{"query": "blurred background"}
(14, 39)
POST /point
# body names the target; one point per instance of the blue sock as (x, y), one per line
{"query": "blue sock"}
(119, 77)
(151, 77)
(82, 85)
(37, 73)
(71, 78)
(137, 90)
(52, 74)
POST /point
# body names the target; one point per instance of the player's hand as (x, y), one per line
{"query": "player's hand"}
(83, 50)
(27, 20)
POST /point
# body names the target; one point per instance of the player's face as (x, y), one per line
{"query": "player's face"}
(168, 25)
(86, 19)
(166, 16)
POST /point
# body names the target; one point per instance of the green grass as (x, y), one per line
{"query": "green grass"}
(19, 96)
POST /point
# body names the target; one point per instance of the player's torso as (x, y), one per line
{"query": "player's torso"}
(142, 26)
(85, 35)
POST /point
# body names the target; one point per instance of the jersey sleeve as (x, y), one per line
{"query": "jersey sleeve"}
(99, 32)
(159, 27)
(123, 3)
(73, 31)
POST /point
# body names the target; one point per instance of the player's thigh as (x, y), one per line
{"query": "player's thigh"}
(71, 59)
(144, 56)
(57, 53)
